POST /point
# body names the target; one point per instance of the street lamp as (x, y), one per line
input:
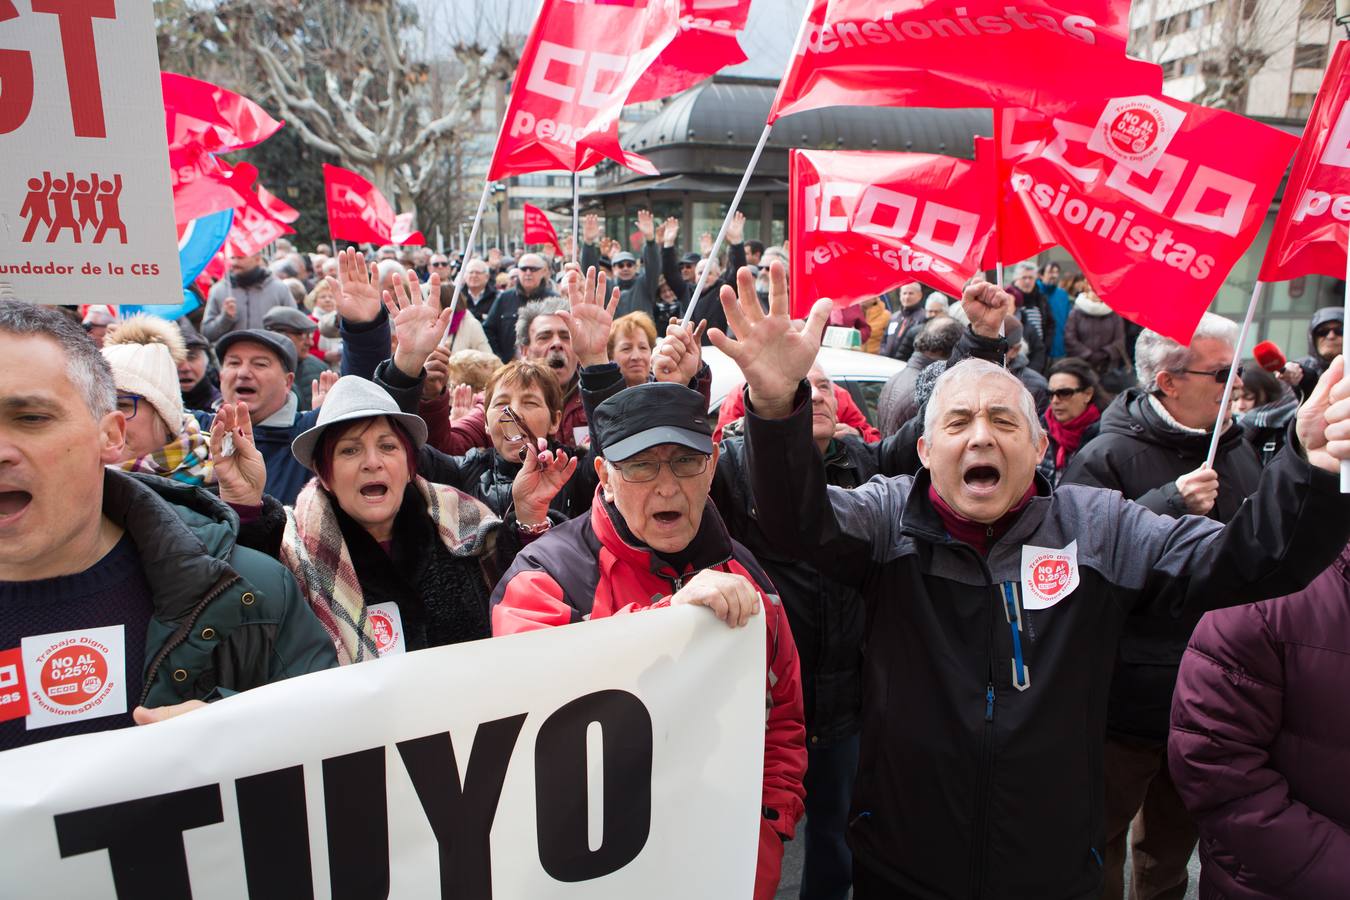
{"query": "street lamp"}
(499, 196)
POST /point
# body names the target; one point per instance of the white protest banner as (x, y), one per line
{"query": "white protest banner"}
(85, 199)
(620, 758)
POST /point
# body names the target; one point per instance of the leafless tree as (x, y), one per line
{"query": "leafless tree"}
(367, 81)
(1227, 42)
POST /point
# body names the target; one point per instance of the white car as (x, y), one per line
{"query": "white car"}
(861, 374)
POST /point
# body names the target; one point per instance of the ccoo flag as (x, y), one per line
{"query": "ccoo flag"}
(539, 230)
(1313, 223)
(358, 212)
(1156, 247)
(978, 53)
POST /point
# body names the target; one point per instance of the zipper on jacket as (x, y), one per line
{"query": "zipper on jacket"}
(182, 633)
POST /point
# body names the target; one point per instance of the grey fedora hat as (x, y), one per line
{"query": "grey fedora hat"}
(355, 398)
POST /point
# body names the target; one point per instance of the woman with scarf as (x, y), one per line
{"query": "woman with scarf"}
(1263, 407)
(389, 561)
(1073, 416)
(144, 353)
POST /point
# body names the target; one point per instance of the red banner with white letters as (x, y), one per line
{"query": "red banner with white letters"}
(1031, 53)
(276, 207)
(1017, 236)
(705, 44)
(358, 212)
(539, 230)
(206, 114)
(254, 226)
(1160, 211)
(862, 223)
(1313, 224)
(579, 65)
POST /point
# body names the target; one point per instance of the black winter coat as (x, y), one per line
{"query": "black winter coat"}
(1140, 455)
(500, 323)
(484, 474)
(968, 785)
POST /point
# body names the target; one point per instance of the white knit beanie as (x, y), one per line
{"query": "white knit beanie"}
(149, 370)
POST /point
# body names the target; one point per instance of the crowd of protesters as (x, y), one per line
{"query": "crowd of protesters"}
(1017, 625)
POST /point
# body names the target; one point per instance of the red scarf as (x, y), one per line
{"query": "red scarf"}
(980, 535)
(1069, 435)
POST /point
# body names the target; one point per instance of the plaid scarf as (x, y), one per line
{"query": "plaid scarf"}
(186, 459)
(315, 552)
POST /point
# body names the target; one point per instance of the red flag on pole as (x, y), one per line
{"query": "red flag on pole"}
(276, 207)
(204, 184)
(538, 229)
(705, 44)
(254, 227)
(358, 212)
(979, 53)
(217, 119)
(1313, 224)
(863, 223)
(578, 67)
(1149, 196)
(1017, 236)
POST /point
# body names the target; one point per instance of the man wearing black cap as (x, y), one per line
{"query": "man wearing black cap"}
(653, 539)
(637, 288)
(198, 380)
(297, 328)
(257, 367)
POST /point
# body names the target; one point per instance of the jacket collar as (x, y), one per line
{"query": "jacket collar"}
(920, 519)
(182, 534)
(710, 547)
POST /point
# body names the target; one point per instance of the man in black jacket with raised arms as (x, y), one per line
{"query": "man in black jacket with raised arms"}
(994, 607)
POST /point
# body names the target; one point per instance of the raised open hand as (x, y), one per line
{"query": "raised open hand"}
(356, 290)
(646, 224)
(590, 228)
(240, 471)
(671, 231)
(590, 317)
(419, 324)
(986, 306)
(542, 474)
(461, 402)
(319, 388)
(1324, 419)
(736, 230)
(705, 244)
(772, 356)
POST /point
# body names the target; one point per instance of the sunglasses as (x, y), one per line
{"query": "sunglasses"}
(1220, 376)
(625, 264)
(1328, 332)
(1066, 393)
(440, 265)
(530, 268)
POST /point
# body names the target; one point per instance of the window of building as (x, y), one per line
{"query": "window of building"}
(1197, 17)
(1300, 105)
(1316, 9)
(1190, 65)
(1310, 56)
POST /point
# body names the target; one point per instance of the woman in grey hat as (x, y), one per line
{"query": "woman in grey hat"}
(387, 560)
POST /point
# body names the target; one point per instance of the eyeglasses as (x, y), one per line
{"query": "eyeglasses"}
(1220, 376)
(1328, 332)
(625, 264)
(530, 268)
(1066, 393)
(637, 471)
(514, 429)
(440, 265)
(128, 404)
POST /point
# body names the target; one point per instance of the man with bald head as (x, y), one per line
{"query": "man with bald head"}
(994, 606)
(239, 301)
(500, 323)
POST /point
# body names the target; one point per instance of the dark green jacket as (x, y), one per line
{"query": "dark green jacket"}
(226, 618)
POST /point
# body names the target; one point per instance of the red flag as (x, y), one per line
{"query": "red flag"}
(358, 212)
(1311, 227)
(1155, 244)
(1017, 236)
(575, 74)
(254, 227)
(538, 229)
(217, 119)
(204, 184)
(1029, 53)
(705, 44)
(279, 209)
(863, 223)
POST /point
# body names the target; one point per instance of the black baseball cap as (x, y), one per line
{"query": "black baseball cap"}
(690, 259)
(648, 415)
(623, 256)
(279, 345)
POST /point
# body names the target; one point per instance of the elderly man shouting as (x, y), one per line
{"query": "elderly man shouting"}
(994, 607)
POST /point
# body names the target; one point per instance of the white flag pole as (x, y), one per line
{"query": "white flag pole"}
(473, 233)
(726, 223)
(576, 215)
(1232, 376)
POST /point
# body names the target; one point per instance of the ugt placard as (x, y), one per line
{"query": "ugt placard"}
(86, 208)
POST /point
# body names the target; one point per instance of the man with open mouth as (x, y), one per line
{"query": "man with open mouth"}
(995, 607)
(136, 580)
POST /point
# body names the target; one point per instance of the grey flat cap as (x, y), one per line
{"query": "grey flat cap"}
(288, 318)
(351, 398)
(281, 346)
